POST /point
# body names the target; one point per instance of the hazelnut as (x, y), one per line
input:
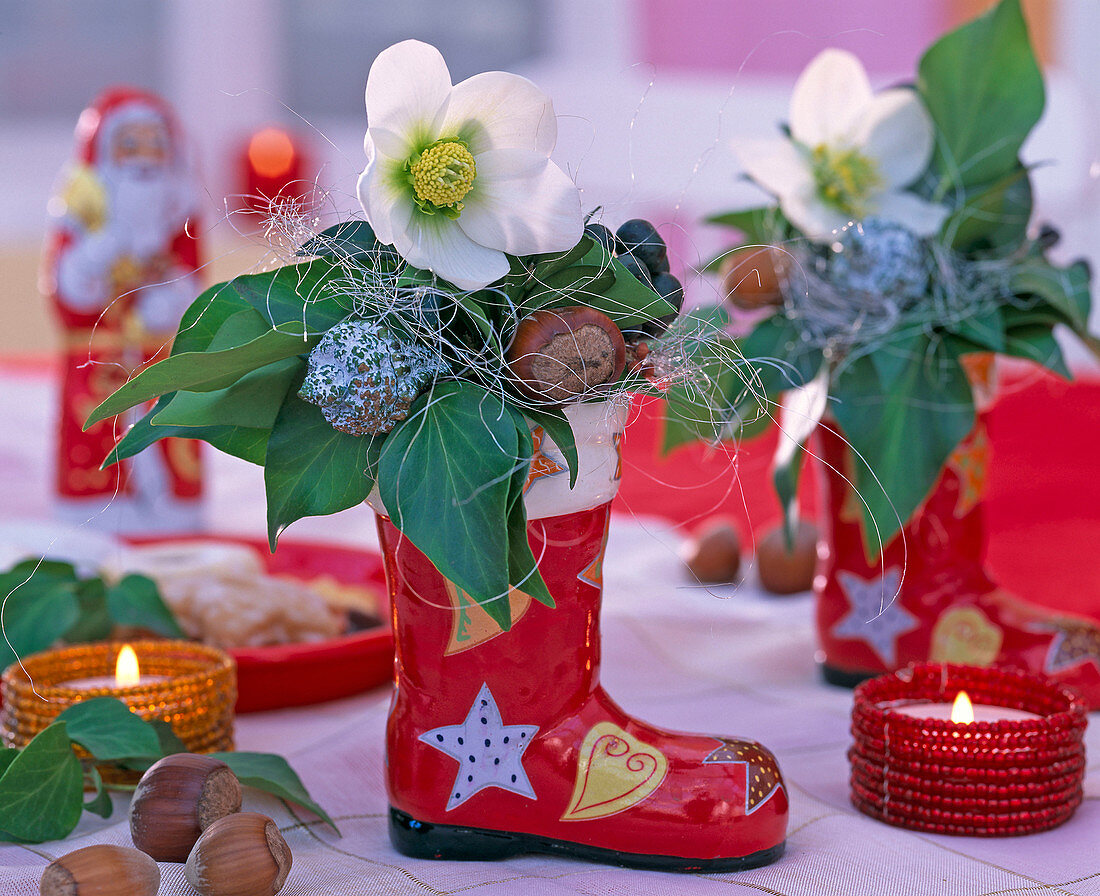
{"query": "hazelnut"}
(559, 354)
(787, 572)
(751, 278)
(239, 855)
(714, 555)
(178, 798)
(101, 870)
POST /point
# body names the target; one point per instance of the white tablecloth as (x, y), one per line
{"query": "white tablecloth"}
(683, 657)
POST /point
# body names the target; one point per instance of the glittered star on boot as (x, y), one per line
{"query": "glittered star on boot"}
(489, 753)
(762, 777)
(876, 616)
(1074, 642)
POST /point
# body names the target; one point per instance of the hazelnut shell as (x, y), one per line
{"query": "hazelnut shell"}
(176, 800)
(239, 855)
(560, 354)
(101, 870)
(751, 278)
(787, 572)
(714, 555)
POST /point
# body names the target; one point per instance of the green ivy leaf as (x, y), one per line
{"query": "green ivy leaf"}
(707, 405)
(1065, 290)
(993, 217)
(549, 264)
(100, 803)
(135, 602)
(169, 740)
(555, 424)
(239, 329)
(37, 613)
(896, 353)
(312, 469)
(1037, 343)
(757, 225)
(932, 398)
(523, 571)
(985, 331)
(476, 312)
(7, 757)
(245, 443)
(205, 317)
(94, 622)
(628, 301)
(41, 790)
(313, 296)
(457, 516)
(205, 371)
(343, 241)
(252, 402)
(109, 730)
(272, 774)
(984, 91)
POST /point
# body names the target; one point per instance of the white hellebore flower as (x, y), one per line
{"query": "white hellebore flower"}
(850, 155)
(458, 175)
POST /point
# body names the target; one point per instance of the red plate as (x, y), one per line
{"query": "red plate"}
(301, 674)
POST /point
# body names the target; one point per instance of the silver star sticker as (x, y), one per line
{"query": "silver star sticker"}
(876, 616)
(489, 753)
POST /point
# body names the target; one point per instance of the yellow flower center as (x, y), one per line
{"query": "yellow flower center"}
(442, 176)
(844, 177)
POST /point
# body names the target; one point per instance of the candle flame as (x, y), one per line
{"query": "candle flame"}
(963, 709)
(127, 672)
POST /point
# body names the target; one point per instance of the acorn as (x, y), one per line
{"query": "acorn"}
(101, 870)
(751, 278)
(239, 855)
(714, 555)
(560, 354)
(787, 572)
(177, 799)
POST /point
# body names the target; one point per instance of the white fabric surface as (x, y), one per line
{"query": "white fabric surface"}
(730, 660)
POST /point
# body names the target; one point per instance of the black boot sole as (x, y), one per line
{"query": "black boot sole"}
(423, 840)
(844, 679)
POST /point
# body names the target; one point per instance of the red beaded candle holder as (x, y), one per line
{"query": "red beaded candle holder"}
(996, 778)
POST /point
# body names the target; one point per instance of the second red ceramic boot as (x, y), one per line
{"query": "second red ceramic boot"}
(927, 596)
(501, 743)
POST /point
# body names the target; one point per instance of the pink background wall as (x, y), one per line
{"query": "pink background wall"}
(781, 36)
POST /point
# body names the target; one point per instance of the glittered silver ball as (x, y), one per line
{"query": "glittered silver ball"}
(364, 377)
(880, 258)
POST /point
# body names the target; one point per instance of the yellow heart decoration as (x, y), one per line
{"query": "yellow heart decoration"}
(614, 772)
(965, 635)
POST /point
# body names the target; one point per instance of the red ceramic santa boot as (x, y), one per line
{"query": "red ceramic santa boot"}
(947, 609)
(501, 743)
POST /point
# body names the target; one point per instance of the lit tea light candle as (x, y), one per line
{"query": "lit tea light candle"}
(978, 770)
(190, 685)
(962, 711)
(127, 674)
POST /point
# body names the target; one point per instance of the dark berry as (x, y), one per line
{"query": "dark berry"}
(639, 270)
(601, 235)
(644, 243)
(669, 289)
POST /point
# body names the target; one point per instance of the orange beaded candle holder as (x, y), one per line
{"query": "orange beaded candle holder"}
(190, 686)
(1017, 769)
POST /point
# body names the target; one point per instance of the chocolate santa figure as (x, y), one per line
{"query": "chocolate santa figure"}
(120, 268)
